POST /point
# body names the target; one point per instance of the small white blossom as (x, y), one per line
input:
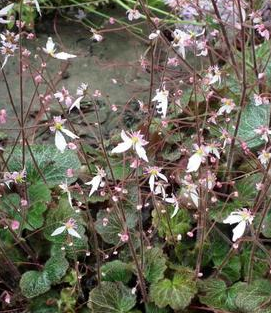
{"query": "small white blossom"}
(133, 140)
(259, 100)
(191, 191)
(243, 218)
(154, 35)
(65, 189)
(228, 106)
(196, 159)
(50, 50)
(264, 131)
(58, 129)
(181, 41)
(154, 173)
(264, 157)
(96, 181)
(133, 14)
(70, 227)
(214, 75)
(162, 100)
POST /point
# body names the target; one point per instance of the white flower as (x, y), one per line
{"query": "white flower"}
(132, 140)
(154, 173)
(81, 92)
(160, 189)
(173, 200)
(162, 99)
(65, 189)
(264, 132)
(50, 49)
(96, 180)
(154, 35)
(191, 191)
(70, 227)
(4, 12)
(243, 218)
(196, 159)
(228, 106)
(214, 75)
(58, 129)
(264, 157)
(181, 40)
(211, 148)
(96, 36)
(259, 100)
(202, 46)
(133, 14)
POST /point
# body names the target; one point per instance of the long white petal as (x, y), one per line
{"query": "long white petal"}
(64, 56)
(175, 210)
(58, 231)
(123, 146)
(141, 152)
(193, 163)
(239, 230)
(95, 182)
(37, 6)
(60, 141)
(69, 133)
(76, 104)
(70, 199)
(195, 198)
(124, 137)
(170, 200)
(233, 219)
(151, 182)
(162, 176)
(6, 9)
(73, 233)
(3, 21)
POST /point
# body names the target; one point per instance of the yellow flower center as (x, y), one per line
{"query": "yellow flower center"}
(135, 139)
(58, 126)
(154, 172)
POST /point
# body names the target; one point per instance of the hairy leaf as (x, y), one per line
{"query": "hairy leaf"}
(116, 271)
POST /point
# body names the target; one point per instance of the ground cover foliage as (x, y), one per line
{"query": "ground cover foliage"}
(157, 205)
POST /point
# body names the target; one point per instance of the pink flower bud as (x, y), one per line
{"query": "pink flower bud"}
(190, 234)
(111, 20)
(30, 36)
(70, 172)
(15, 225)
(3, 116)
(38, 79)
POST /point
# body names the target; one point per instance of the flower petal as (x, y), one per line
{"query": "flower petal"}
(95, 182)
(6, 9)
(175, 210)
(162, 176)
(151, 182)
(141, 152)
(50, 45)
(37, 6)
(73, 233)
(60, 141)
(58, 231)
(124, 137)
(194, 163)
(76, 104)
(123, 146)
(233, 219)
(69, 133)
(239, 230)
(64, 56)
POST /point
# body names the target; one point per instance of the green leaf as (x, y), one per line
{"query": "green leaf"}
(215, 294)
(176, 293)
(111, 298)
(155, 265)
(266, 227)
(116, 271)
(39, 192)
(152, 308)
(212, 292)
(35, 217)
(51, 162)
(34, 283)
(251, 298)
(252, 117)
(56, 268)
